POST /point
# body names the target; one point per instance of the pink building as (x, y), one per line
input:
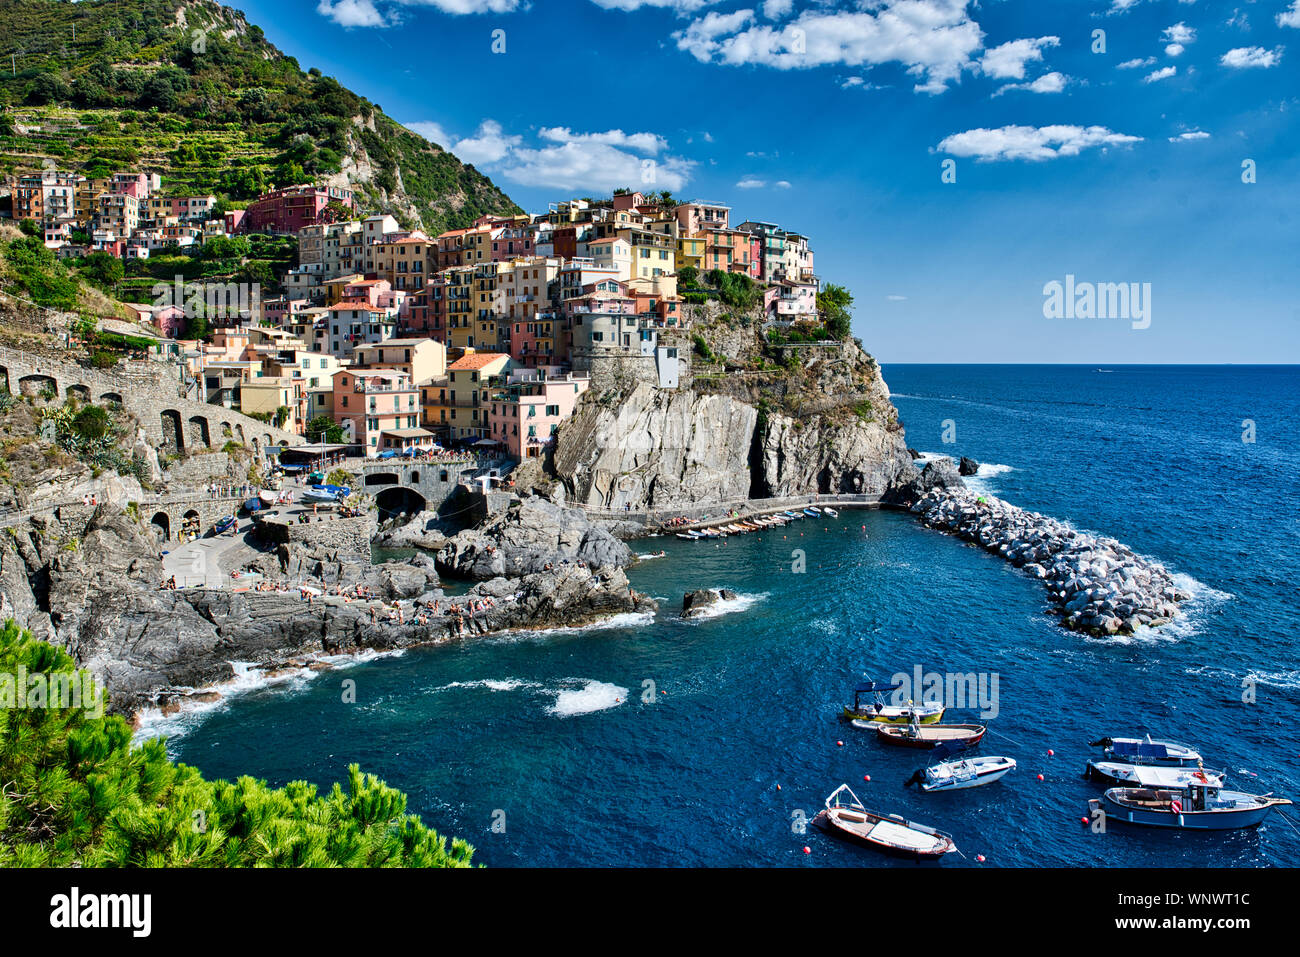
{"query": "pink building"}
(292, 208)
(375, 404)
(526, 413)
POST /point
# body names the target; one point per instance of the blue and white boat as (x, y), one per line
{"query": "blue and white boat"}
(1146, 751)
(326, 494)
(1197, 807)
(1125, 774)
(812, 512)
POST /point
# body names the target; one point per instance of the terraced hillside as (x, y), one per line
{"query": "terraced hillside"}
(191, 90)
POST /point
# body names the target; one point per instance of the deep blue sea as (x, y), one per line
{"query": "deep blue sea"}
(549, 736)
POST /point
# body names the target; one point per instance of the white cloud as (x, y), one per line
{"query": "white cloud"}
(1174, 49)
(934, 39)
(1032, 143)
(1122, 6)
(677, 6)
(1047, 83)
(433, 132)
(1136, 63)
(365, 13)
(568, 160)
(1290, 17)
(352, 13)
(1007, 62)
(643, 142)
(776, 9)
(1246, 57)
(1179, 33)
(751, 182)
(893, 298)
(1189, 135)
(782, 184)
(1164, 73)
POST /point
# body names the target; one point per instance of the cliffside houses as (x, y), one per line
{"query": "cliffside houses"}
(483, 335)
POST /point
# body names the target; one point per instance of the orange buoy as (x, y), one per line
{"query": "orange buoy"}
(866, 777)
(1083, 820)
(1050, 753)
(807, 849)
(839, 744)
(980, 858)
(778, 787)
(1040, 777)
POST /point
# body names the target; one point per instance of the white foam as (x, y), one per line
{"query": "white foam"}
(592, 696)
(990, 469)
(491, 684)
(725, 606)
(248, 676)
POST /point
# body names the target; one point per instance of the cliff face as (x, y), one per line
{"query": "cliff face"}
(653, 448)
(759, 421)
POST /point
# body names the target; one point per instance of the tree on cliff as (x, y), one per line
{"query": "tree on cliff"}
(74, 791)
(834, 303)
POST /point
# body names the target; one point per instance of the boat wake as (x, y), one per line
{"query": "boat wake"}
(591, 696)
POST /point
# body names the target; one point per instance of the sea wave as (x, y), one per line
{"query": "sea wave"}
(592, 696)
(154, 722)
(491, 684)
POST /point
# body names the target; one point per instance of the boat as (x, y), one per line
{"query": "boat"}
(223, 524)
(811, 510)
(1197, 807)
(689, 536)
(827, 510)
(269, 496)
(326, 494)
(254, 504)
(1147, 751)
(878, 711)
(961, 774)
(1123, 774)
(848, 819)
(926, 735)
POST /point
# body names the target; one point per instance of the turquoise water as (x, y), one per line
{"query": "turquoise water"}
(551, 735)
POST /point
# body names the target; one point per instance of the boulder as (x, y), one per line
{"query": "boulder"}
(968, 466)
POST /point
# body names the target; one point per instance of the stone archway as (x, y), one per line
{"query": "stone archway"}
(4, 378)
(197, 433)
(111, 398)
(163, 524)
(399, 500)
(382, 478)
(173, 435)
(79, 392)
(36, 383)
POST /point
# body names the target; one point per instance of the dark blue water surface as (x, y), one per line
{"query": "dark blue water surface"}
(550, 733)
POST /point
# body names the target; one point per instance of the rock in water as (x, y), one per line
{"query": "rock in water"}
(968, 466)
(694, 602)
(1099, 585)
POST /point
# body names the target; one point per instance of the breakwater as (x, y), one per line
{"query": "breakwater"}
(1099, 585)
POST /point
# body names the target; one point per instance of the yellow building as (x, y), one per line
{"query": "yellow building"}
(421, 359)
(469, 393)
(690, 252)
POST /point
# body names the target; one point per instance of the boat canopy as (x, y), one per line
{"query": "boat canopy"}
(871, 687)
(1143, 749)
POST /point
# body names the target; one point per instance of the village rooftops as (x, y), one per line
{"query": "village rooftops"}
(475, 360)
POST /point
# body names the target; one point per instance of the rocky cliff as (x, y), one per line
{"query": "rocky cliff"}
(760, 419)
(90, 584)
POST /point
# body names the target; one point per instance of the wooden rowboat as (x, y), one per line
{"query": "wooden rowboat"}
(846, 818)
(926, 735)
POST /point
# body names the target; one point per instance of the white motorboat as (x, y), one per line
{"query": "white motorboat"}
(962, 773)
(1124, 774)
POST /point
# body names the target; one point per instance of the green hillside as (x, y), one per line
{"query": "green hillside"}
(189, 89)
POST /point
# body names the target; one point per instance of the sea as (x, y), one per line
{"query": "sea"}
(655, 741)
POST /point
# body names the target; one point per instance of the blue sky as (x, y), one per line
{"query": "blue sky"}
(1122, 164)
